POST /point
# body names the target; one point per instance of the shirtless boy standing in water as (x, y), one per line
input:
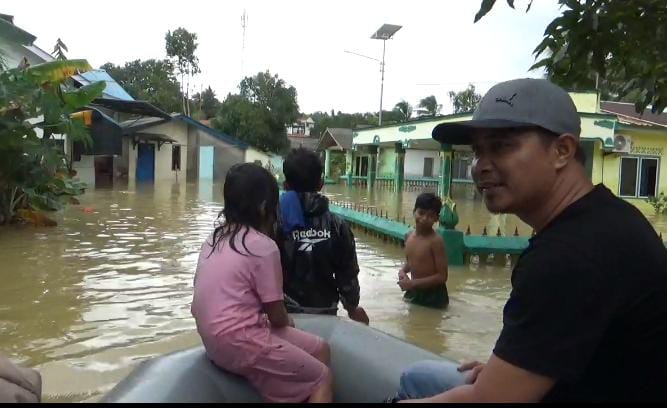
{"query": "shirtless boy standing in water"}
(426, 257)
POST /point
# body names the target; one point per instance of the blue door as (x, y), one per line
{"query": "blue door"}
(206, 163)
(146, 162)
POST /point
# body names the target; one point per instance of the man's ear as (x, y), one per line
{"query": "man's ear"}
(321, 184)
(566, 146)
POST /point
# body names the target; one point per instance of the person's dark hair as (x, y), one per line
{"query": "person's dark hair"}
(303, 170)
(428, 202)
(548, 136)
(251, 200)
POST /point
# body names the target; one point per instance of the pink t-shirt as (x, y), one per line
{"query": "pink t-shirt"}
(229, 288)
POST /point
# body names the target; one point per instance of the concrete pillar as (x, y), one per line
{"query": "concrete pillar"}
(445, 174)
(349, 166)
(372, 166)
(399, 167)
(327, 164)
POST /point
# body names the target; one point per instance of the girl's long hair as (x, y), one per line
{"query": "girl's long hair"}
(251, 201)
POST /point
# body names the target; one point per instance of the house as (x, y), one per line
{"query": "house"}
(624, 150)
(301, 128)
(179, 148)
(334, 142)
(17, 44)
(299, 135)
(632, 163)
(94, 164)
(136, 142)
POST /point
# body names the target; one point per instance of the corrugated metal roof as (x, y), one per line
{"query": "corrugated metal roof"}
(113, 89)
(40, 53)
(626, 113)
(141, 108)
(213, 132)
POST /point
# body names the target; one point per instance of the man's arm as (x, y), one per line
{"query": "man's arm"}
(499, 381)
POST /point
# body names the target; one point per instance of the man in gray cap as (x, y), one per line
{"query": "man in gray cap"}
(587, 316)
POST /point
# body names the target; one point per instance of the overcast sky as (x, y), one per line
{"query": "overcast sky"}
(438, 49)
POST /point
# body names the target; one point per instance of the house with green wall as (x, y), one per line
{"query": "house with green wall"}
(624, 150)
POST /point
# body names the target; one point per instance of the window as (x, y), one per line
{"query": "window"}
(462, 168)
(298, 130)
(364, 166)
(176, 157)
(639, 176)
(428, 167)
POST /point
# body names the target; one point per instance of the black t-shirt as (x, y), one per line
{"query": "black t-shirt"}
(588, 306)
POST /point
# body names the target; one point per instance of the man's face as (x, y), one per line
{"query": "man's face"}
(513, 169)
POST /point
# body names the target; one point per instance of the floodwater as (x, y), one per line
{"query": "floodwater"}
(111, 285)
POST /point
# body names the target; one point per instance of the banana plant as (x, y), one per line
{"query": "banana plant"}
(33, 170)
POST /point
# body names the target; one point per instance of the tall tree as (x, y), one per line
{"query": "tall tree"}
(209, 103)
(151, 80)
(404, 110)
(181, 46)
(250, 123)
(617, 45)
(466, 100)
(59, 50)
(429, 106)
(271, 93)
(325, 120)
(260, 112)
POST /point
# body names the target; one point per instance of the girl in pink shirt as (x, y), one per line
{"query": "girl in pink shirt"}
(238, 298)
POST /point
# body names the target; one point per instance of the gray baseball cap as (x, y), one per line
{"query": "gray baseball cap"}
(517, 103)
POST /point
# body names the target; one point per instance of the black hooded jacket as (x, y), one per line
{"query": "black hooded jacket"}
(320, 261)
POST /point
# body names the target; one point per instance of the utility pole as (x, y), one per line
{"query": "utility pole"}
(244, 25)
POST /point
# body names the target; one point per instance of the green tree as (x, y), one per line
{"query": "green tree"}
(258, 115)
(152, 80)
(209, 103)
(272, 93)
(59, 50)
(251, 123)
(181, 46)
(404, 110)
(429, 106)
(388, 118)
(466, 100)
(325, 120)
(617, 45)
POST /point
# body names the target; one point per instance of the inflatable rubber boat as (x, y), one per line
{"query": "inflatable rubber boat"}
(366, 364)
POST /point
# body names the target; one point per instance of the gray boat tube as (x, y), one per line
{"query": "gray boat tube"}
(366, 364)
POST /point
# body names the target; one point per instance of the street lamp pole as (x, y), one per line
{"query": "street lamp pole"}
(384, 45)
(384, 33)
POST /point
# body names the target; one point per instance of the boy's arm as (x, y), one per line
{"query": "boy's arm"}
(405, 269)
(440, 262)
(348, 268)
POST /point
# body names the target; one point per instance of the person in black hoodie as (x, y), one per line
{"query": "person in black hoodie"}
(318, 251)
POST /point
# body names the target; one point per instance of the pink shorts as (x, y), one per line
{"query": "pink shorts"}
(285, 369)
